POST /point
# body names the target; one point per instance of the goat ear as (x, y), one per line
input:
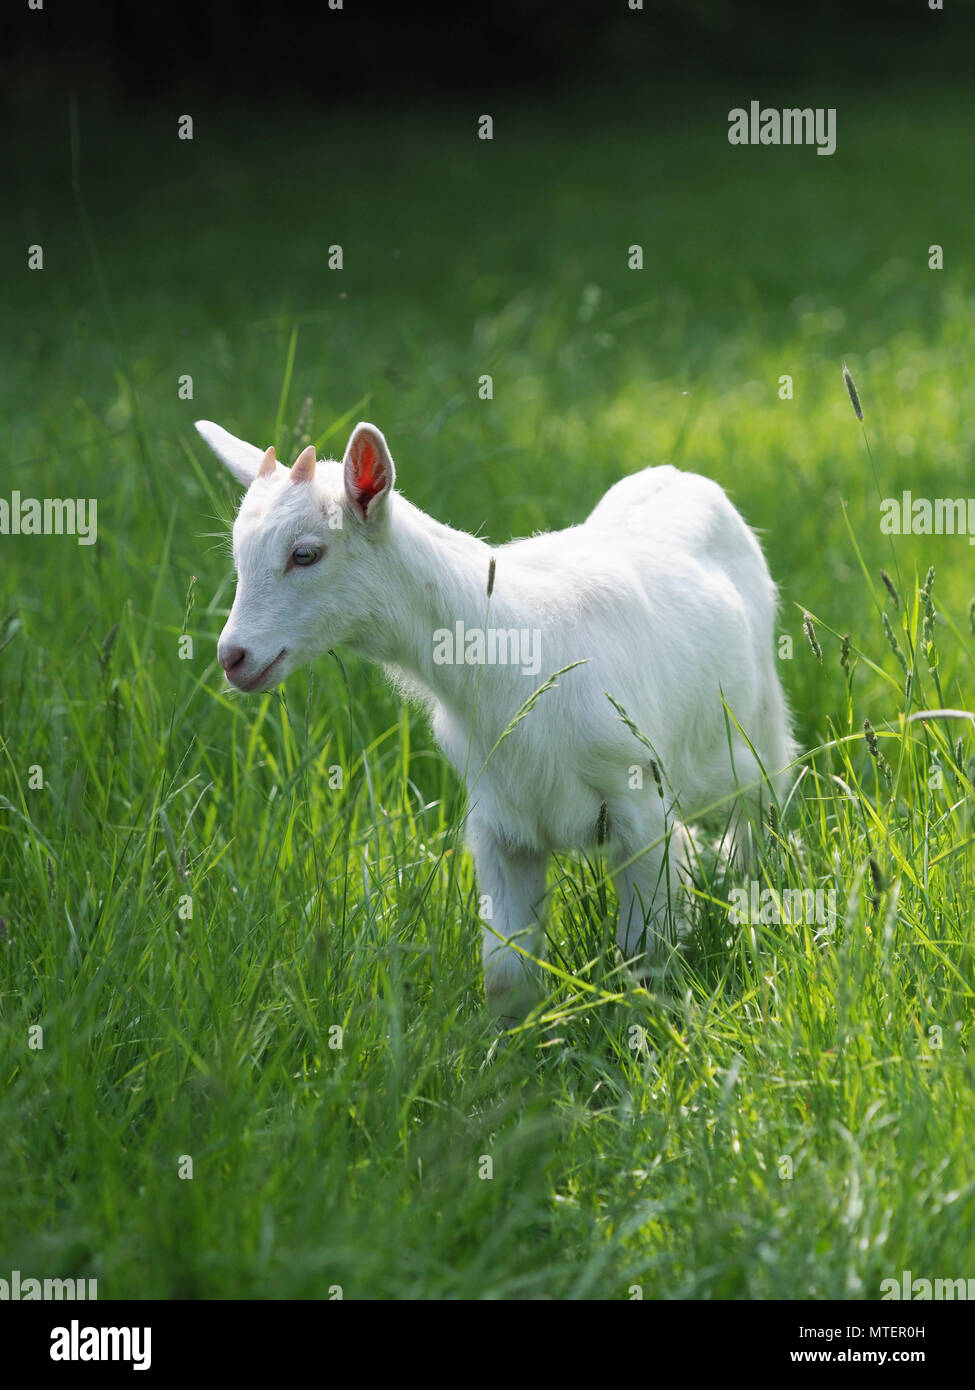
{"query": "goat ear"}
(368, 469)
(243, 460)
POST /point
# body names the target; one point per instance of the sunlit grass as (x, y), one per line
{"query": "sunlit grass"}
(208, 886)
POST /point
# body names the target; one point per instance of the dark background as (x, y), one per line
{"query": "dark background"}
(251, 50)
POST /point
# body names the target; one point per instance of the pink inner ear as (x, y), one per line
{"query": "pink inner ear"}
(369, 473)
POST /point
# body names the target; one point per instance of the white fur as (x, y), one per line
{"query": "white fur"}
(663, 593)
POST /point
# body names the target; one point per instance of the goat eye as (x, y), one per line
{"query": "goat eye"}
(305, 554)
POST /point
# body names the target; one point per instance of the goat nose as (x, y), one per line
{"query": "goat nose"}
(231, 657)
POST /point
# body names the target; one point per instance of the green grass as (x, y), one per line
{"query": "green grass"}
(636, 1139)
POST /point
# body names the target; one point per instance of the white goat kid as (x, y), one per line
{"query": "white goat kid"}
(662, 594)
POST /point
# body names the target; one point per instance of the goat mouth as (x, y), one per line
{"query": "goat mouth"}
(255, 682)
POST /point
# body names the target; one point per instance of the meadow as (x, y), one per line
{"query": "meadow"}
(246, 925)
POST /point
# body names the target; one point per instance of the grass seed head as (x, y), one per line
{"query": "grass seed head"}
(845, 653)
(927, 625)
(851, 387)
(882, 764)
(889, 584)
(300, 435)
(894, 644)
(810, 631)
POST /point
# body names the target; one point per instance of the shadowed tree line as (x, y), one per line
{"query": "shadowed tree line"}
(379, 51)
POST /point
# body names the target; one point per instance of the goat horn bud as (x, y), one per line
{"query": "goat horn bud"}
(303, 468)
